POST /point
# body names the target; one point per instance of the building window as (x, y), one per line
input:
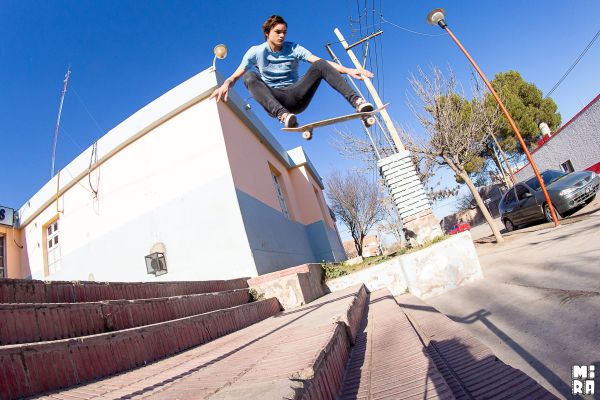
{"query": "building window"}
(279, 194)
(53, 253)
(321, 206)
(567, 167)
(2, 266)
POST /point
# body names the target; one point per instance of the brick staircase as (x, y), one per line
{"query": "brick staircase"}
(347, 345)
(77, 332)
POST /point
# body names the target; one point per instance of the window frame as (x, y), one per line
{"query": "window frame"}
(568, 164)
(55, 247)
(280, 193)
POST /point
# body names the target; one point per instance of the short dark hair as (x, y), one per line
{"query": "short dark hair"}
(271, 22)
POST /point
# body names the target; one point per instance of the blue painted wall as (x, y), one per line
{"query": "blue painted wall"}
(277, 242)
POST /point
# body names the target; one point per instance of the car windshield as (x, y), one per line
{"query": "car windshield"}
(548, 176)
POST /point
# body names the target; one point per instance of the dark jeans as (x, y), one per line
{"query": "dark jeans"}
(296, 97)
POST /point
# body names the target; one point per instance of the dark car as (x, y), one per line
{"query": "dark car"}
(525, 202)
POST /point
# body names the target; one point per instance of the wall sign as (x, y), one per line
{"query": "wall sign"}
(7, 216)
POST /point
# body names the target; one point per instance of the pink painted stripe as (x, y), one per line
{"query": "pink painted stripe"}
(595, 168)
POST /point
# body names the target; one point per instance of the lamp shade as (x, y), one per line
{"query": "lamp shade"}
(435, 16)
(220, 51)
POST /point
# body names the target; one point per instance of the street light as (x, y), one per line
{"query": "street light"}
(220, 52)
(437, 17)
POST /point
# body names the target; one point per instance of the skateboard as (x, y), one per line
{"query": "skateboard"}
(368, 119)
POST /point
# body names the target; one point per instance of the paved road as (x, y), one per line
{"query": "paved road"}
(538, 306)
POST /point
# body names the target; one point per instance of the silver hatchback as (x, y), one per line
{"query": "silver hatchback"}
(526, 203)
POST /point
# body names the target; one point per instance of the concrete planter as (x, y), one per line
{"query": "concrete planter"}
(425, 273)
(293, 287)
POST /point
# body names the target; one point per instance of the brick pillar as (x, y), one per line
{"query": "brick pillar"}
(409, 196)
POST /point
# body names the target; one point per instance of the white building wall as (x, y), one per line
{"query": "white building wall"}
(578, 141)
(171, 185)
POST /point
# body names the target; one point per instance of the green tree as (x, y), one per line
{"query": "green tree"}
(527, 106)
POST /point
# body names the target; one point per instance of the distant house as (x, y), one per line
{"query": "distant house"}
(202, 187)
(371, 247)
(573, 147)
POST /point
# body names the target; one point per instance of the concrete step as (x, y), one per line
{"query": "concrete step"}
(29, 369)
(298, 353)
(469, 367)
(33, 291)
(389, 360)
(27, 323)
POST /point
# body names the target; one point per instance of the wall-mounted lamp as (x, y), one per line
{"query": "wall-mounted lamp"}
(156, 263)
(220, 52)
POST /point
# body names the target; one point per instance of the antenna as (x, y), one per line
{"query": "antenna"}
(62, 100)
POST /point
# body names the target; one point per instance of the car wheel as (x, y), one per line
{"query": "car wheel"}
(548, 214)
(509, 225)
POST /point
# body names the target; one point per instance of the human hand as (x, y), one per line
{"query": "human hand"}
(359, 73)
(221, 92)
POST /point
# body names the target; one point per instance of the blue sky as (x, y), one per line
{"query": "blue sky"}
(124, 54)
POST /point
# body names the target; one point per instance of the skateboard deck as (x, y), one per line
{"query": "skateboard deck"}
(367, 117)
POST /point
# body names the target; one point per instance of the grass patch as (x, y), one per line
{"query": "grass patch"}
(336, 270)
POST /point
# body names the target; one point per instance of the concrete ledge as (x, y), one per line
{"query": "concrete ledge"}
(425, 273)
(293, 287)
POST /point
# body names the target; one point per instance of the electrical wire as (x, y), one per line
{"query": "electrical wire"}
(575, 63)
(410, 30)
(87, 110)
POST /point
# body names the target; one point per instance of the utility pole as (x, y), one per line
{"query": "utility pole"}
(62, 100)
(399, 173)
(510, 171)
(384, 114)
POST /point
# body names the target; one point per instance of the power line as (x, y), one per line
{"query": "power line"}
(410, 30)
(575, 63)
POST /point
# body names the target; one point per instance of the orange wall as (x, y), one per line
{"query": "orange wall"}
(249, 160)
(12, 260)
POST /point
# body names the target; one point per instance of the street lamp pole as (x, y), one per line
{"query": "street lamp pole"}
(437, 17)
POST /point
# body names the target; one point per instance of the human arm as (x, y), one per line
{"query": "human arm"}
(223, 90)
(353, 72)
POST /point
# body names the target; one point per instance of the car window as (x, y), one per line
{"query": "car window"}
(521, 190)
(509, 197)
(548, 177)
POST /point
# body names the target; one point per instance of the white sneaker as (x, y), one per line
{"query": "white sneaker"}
(362, 105)
(288, 120)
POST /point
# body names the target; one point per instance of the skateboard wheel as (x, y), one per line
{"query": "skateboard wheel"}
(370, 121)
(307, 135)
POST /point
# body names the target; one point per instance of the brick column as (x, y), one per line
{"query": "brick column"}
(409, 196)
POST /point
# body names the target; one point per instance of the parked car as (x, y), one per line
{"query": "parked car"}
(457, 228)
(525, 202)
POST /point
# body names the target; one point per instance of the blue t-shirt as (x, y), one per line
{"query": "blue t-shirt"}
(277, 68)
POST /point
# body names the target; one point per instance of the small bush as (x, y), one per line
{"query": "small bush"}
(256, 296)
(332, 271)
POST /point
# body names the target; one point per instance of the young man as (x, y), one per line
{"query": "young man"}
(275, 84)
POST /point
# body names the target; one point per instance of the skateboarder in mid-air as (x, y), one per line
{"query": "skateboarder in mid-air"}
(275, 84)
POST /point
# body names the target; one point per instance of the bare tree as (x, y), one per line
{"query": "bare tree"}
(455, 126)
(391, 222)
(354, 199)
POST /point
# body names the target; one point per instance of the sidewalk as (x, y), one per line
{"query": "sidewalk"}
(538, 307)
